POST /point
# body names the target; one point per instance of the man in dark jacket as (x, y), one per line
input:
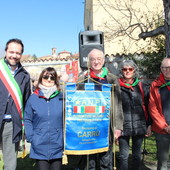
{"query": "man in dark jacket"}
(14, 91)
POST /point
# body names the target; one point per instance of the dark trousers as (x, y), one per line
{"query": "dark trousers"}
(98, 161)
(54, 164)
(101, 161)
(124, 152)
(163, 148)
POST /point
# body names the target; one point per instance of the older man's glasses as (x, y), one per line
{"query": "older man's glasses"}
(46, 77)
(166, 68)
(99, 59)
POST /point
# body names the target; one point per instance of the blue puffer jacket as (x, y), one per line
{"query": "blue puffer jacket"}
(44, 126)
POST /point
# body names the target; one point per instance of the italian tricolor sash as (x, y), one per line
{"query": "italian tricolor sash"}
(12, 86)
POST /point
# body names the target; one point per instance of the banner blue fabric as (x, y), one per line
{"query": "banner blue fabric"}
(87, 119)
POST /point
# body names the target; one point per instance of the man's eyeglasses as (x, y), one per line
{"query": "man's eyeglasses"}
(126, 69)
(165, 68)
(47, 77)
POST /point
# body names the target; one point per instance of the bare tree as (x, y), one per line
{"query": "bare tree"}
(129, 21)
(164, 29)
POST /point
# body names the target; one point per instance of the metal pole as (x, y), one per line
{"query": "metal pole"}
(87, 162)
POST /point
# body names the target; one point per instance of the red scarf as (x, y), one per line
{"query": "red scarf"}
(123, 83)
(164, 83)
(93, 75)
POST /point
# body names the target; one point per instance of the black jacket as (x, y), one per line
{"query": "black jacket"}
(23, 79)
(134, 118)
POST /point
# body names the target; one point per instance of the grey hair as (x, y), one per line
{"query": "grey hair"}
(92, 51)
(128, 63)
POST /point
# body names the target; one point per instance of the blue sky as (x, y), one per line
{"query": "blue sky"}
(42, 24)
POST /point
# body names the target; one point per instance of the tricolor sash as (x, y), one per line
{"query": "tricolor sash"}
(12, 86)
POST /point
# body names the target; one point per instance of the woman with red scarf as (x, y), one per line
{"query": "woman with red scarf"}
(134, 102)
(159, 107)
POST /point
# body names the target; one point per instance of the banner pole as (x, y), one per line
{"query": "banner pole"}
(88, 82)
(87, 162)
(114, 144)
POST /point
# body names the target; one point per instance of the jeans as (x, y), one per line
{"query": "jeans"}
(163, 145)
(124, 151)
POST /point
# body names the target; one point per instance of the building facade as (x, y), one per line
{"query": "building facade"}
(35, 65)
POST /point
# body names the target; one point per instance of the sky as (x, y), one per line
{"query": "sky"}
(42, 25)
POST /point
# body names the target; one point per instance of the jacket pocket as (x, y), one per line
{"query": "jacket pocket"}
(39, 137)
(56, 137)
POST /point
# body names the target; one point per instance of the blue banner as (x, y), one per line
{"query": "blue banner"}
(87, 119)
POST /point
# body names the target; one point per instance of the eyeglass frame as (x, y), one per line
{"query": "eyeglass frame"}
(128, 69)
(165, 68)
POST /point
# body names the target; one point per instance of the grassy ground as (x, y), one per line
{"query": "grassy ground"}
(23, 163)
(148, 157)
(149, 150)
(26, 163)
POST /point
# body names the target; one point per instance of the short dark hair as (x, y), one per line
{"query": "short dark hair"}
(49, 71)
(15, 40)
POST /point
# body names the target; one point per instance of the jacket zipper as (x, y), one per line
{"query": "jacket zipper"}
(48, 114)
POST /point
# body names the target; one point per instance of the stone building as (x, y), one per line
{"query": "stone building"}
(35, 65)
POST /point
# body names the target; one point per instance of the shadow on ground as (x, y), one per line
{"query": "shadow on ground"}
(26, 163)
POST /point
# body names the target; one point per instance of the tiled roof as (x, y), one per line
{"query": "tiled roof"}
(64, 52)
(28, 58)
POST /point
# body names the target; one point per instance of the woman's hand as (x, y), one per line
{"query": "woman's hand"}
(149, 131)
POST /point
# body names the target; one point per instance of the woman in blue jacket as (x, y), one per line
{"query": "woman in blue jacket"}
(44, 122)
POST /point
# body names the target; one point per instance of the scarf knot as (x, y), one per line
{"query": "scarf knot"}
(100, 77)
(127, 85)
